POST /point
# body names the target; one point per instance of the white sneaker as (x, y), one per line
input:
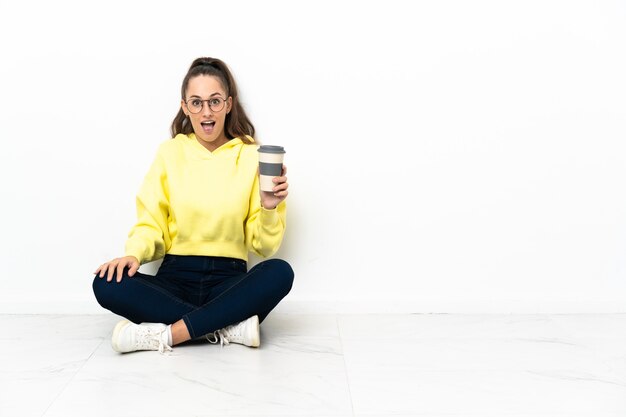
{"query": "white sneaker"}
(129, 337)
(244, 333)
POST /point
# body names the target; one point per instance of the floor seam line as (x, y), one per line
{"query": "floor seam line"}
(345, 365)
(72, 378)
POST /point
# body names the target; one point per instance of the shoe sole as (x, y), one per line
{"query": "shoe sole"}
(255, 338)
(116, 331)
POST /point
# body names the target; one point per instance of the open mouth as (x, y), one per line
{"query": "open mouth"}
(208, 126)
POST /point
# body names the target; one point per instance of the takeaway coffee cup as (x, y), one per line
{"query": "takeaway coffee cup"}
(270, 165)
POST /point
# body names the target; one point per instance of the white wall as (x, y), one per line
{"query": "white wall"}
(447, 156)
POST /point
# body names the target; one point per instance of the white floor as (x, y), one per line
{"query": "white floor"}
(324, 365)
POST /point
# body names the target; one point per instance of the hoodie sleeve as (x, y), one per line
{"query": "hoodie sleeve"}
(264, 228)
(148, 240)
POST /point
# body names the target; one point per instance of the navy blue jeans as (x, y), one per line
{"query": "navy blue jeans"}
(208, 293)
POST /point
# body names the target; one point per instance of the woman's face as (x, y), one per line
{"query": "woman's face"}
(207, 106)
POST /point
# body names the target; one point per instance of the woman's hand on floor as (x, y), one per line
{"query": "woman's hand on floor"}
(119, 264)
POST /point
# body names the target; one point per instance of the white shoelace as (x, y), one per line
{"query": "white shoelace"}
(218, 335)
(148, 339)
(233, 333)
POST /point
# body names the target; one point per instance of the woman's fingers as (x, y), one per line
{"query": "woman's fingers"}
(281, 186)
(115, 268)
(279, 180)
(110, 272)
(280, 190)
(103, 269)
(132, 269)
(120, 270)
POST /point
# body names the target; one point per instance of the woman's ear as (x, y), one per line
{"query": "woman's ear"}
(229, 105)
(182, 106)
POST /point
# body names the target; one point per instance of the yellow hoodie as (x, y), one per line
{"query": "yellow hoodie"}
(196, 202)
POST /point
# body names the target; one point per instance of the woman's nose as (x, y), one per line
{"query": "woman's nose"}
(206, 109)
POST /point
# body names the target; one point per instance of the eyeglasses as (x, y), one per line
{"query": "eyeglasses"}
(195, 105)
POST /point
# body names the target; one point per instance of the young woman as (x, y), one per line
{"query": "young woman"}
(200, 209)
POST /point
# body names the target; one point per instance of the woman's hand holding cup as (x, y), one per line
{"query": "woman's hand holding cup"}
(271, 199)
(272, 176)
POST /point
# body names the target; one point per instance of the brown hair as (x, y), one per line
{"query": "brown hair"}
(237, 123)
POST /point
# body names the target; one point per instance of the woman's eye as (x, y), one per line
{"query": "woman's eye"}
(215, 101)
(196, 103)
